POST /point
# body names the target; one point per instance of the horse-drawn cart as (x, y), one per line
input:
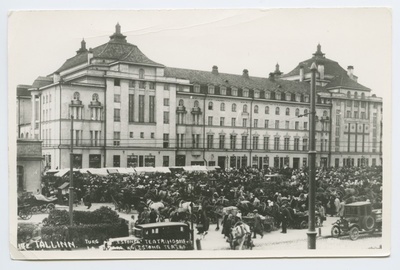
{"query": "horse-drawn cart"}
(268, 222)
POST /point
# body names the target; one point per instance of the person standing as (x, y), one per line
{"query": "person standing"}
(258, 226)
(286, 217)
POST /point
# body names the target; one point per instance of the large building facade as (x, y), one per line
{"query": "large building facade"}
(129, 111)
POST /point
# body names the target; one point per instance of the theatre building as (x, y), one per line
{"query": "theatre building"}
(129, 111)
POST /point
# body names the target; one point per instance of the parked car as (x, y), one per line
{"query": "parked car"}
(154, 236)
(358, 217)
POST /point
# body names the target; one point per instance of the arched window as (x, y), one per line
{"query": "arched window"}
(210, 105)
(297, 112)
(22, 135)
(196, 104)
(362, 96)
(77, 96)
(305, 111)
(95, 97)
(233, 107)
(141, 73)
(180, 102)
(277, 110)
(27, 135)
(222, 107)
(256, 109)
(325, 113)
(266, 110)
(245, 108)
(355, 95)
(348, 94)
(287, 111)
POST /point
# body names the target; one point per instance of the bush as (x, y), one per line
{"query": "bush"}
(26, 231)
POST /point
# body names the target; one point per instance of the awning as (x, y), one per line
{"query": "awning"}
(213, 168)
(195, 168)
(63, 172)
(145, 170)
(162, 170)
(98, 171)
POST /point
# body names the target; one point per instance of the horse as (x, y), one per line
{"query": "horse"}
(186, 205)
(240, 236)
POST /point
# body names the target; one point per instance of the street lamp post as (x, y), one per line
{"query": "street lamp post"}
(71, 176)
(311, 233)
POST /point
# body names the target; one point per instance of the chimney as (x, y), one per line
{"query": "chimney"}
(90, 56)
(277, 71)
(82, 49)
(301, 73)
(271, 77)
(215, 70)
(350, 71)
(56, 77)
(245, 73)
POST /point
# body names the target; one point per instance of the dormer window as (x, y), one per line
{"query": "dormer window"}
(267, 95)
(277, 95)
(211, 89)
(141, 73)
(234, 92)
(77, 96)
(245, 93)
(256, 94)
(306, 98)
(223, 90)
(197, 88)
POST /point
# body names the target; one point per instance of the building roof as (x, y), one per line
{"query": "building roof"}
(22, 90)
(341, 78)
(117, 49)
(42, 81)
(239, 81)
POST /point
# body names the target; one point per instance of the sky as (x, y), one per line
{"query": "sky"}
(39, 42)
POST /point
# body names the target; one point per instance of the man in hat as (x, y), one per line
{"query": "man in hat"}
(258, 225)
(285, 216)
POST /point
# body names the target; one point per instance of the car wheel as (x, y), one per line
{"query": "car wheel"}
(50, 207)
(335, 231)
(34, 209)
(354, 233)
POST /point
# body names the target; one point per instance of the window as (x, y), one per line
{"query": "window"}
(296, 125)
(196, 103)
(210, 106)
(287, 111)
(305, 125)
(363, 115)
(305, 112)
(276, 124)
(256, 94)
(196, 89)
(233, 107)
(131, 134)
(77, 96)
(222, 121)
(211, 89)
(256, 109)
(297, 112)
(286, 144)
(132, 84)
(152, 135)
(151, 109)
(266, 143)
(221, 141)
(117, 115)
(141, 108)
(166, 86)
(117, 98)
(276, 143)
(277, 110)
(256, 123)
(267, 95)
(255, 142)
(117, 160)
(245, 108)
(362, 95)
(210, 120)
(348, 94)
(141, 73)
(363, 104)
(348, 114)
(142, 135)
(117, 138)
(151, 85)
(180, 103)
(165, 161)
(233, 122)
(296, 144)
(165, 140)
(166, 101)
(234, 92)
(233, 142)
(210, 141)
(355, 95)
(286, 124)
(244, 142)
(166, 117)
(266, 110)
(356, 104)
(245, 93)
(222, 107)
(117, 82)
(305, 144)
(325, 113)
(195, 140)
(349, 103)
(223, 91)
(266, 123)
(95, 97)
(131, 107)
(142, 85)
(355, 114)
(245, 122)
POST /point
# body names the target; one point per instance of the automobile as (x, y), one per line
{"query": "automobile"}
(154, 236)
(358, 217)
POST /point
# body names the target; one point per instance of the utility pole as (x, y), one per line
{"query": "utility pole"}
(71, 174)
(312, 234)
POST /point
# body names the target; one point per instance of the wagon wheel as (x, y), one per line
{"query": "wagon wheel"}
(34, 209)
(335, 231)
(25, 214)
(50, 207)
(43, 208)
(303, 224)
(354, 233)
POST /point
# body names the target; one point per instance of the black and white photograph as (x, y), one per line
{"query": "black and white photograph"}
(217, 133)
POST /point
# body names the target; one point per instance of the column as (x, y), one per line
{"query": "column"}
(33, 119)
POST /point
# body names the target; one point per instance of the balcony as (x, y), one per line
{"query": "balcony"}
(196, 110)
(95, 103)
(76, 102)
(181, 109)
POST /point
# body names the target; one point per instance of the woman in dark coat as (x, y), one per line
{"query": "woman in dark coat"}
(203, 223)
(258, 225)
